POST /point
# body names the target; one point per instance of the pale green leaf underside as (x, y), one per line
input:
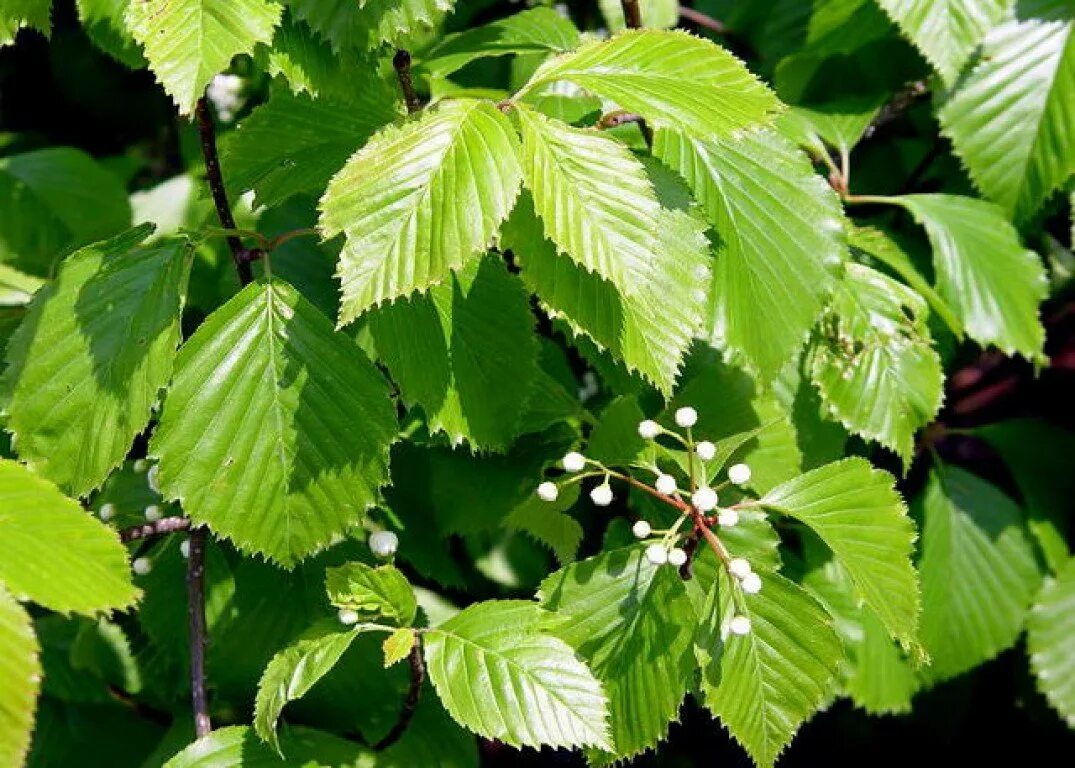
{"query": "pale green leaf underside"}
(781, 239)
(381, 592)
(874, 361)
(275, 431)
(419, 200)
(20, 679)
(501, 674)
(89, 361)
(1051, 641)
(55, 553)
(671, 78)
(1010, 119)
(188, 42)
(857, 512)
(979, 572)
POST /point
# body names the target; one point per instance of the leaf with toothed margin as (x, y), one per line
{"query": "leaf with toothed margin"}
(20, 679)
(381, 593)
(275, 431)
(17, 14)
(781, 231)
(365, 26)
(420, 200)
(1051, 641)
(549, 524)
(238, 746)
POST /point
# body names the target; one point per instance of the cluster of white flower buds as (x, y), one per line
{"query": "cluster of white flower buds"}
(750, 582)
(574, 461)
(660, 552)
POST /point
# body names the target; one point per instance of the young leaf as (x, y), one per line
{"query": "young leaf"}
(89, 361)
(374, 592)
(288, 485)
(1051, 641)
(1008, 119)
(294, 671)
(857, 512)
(500, 673)
(874, 361)
(420, 200)
(20, 679)
(53, 553)
(765, 684)
(632, 623)
(671, 78)
(238, 746)
(188, 42)
(781, 239)
(946, 32)
(397, 646)
(979, 572)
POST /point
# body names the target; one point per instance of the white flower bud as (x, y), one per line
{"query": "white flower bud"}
(704, 499)
(739, 473)
(348, 617)
(686, 417)
(602, 495)
(641, 529)
(666, 484)
(548, 491)
(153, 513)
(739, 567)
(649, 429)
(107, 511)
(184, 548)
(140, 465)
(677, 557)
(657, 554)
(705, 450)
(384, 543)
(141, 566)
(728, 518)
(152, 478)
(751, 583)
(739, 625)
(573, 462)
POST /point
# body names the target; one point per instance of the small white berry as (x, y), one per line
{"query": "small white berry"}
(657, 554)
(677, 557)
(153, 513)
(348, 617)
(649, 429)
(548, 491)
(704, 499)
(686, 416)
(705, 450)
(751, 583)
(141, 566)
(184, 548)
(739, 473)
(573, 462)
(739, 567)
(728, 518)
(641, 529)
(384, 543)
(152, 478)
(107, 511)
(666, 484)
(602, 495)
(739, 625)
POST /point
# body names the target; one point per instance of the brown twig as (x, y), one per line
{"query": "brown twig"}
(702, 20)
(632, 13)
(196, 624)
(897, 105)
(164, 525)
(410, 703)
(402, 63)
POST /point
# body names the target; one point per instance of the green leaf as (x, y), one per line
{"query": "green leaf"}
(537, 30)
(452, 351)
(375, 592)
(781, 239)
(17, 288)
(324, 420)
(397, 646)
(237, 746)
(1051, 641)
(978, 569)
(502, 675)
(420, 200)
(309, 65)
(632, 622)
(104, 23)
(188, 42)
(1008, 119)
(984, 273)
(549, 524)
(87, 574)
(874, 361)
(671, 78)
(16, 14)
(857, 512)
(20, 679)
(614, 439)
(839, 123)
(946, 32)
(87, 365)
(294, 143)
(767, 683)
(367, 25)
(295, 670)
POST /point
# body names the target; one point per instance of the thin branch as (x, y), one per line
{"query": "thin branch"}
(410, 703)
(402, 63)
(632, 13)
(702, 20)
(197, 635)
(897, 105)
(164, 525)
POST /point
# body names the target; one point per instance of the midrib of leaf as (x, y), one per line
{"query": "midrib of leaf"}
(276, 408)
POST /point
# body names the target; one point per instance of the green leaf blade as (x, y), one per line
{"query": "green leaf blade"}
(20, 679)
(1051, 641)
(380, 592)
